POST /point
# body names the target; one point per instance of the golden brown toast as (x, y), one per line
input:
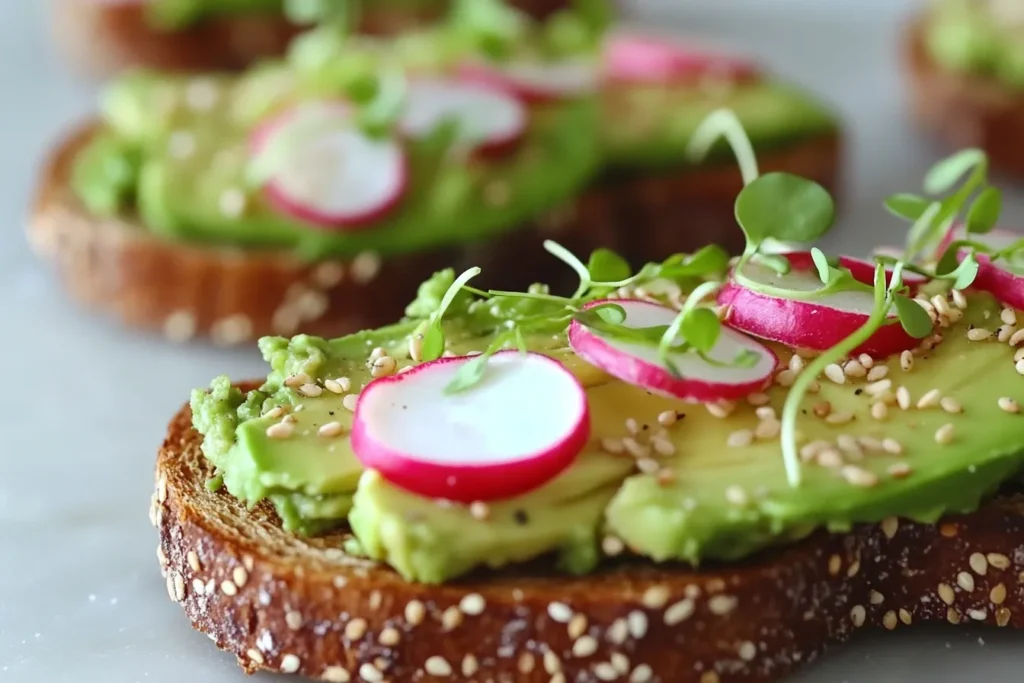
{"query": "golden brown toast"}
(964, 110)
(234, 296)
(101, 38)
(284, 603)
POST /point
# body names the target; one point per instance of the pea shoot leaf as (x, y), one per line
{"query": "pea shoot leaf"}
(701, 328)
(966, 272)
(822, 264)
(948, 172)
(984, 212)
(784, 207)
(906, 206)
(607, 266)
(709, 260)
(913, 318)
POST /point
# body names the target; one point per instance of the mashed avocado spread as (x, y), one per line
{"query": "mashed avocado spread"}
(666, 479)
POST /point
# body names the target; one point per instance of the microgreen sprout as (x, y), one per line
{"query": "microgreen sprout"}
(431, 328)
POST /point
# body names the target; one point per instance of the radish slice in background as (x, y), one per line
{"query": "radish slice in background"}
(537, 82)
(998, 279)
(864, 271)
(817, 324)
(521, 426)
(326, 171)
(488, 118)
(700, 380)
(637, 58)
(996, 239)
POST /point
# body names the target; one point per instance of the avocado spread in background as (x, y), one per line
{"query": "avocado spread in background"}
(709, 501)
(979, 37)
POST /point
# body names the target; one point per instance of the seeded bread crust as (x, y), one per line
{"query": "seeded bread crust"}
(101, 38)
(963, 110)
(234, 296)
(283, 603)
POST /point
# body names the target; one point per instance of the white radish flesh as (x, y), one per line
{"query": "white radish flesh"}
(336, 177)
(816, 324)
(699, 380)
(488, 119)
(524, 423)
(538, 81)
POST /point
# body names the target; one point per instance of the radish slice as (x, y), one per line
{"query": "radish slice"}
(996, 239)
(1004, 284)
(700, 381)
(331, 175)
(817, 324)
(488, 118)
(521, 426)
(647, 59)
(537, 82)
(864, 271)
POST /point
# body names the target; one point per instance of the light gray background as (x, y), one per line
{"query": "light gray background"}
(84, 405)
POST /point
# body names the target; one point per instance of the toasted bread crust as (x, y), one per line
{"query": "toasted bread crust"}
(186, 290)
(964, 110)
(101, 38)
(283, 603)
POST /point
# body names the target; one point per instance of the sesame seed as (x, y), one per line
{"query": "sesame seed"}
(1008, 316)
(905, 617)
(679, 612)
(612, 446)
(618, 632)
(636, 624)
(736, 495)
(785, 378)
(858, 476)
(766, 413)
(952, 616)
(293, 620)
(758, 399)
(822, 409)
(1019, 367)
(979, 334)
(280, 430)
(998, 594)
(948, 530)
(720, 605)
(389, 637)
(740, 438)
(232, 203)
(854, 369)
(835, 563)
(998, 560)
(336, 674)
(747, 651)
(255, 655)
(331, 429)
(584, 647)
(890, 525)
(839, 418)
(663, 447)
(290, 664)
(612, 546)
(835, 373)
(470, 665)
(620, 662)
(878, 388)
(889, 620)
(415, 612)
(240, 576)
(473, 604)
(959, 300)
(375, 600)
(356, 629)
(903, 399)
(830, 458)
(767, 429)
(1008, 405)
(604, 671)
(451, 619)
(892, 446)
(635, 448)
(951, 405)
(552, 664)
(578, 626)
(930, 399)
(350, 401)
(648, 466)
(721, 410)
(879, 411)
(641, 674)
(560, 612)
(198, 586)
(907, 361)
(876, 598)
(965, 581)
(655, 597)
(977, 614)
(978, 563)
(364, 267)
(1016, 338)
(1005, 332)
(176, 587)
(945, 434)
(333, 386)
(228, 588)
(709, 677)
(371, 674)
(181, 144)
(946, 593)
(857, 615)
(668, 418)
(1002, 616)
(878, 373)
(632, 426)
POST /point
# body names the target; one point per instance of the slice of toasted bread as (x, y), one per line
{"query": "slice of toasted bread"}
(234, 296)
(964, 110)
(103, 37)
(284, 603)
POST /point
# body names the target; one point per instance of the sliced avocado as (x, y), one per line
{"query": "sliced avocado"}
(105, 174)
(972, 37)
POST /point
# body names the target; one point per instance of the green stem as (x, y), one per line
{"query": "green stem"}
(791, 409)
(724, 123)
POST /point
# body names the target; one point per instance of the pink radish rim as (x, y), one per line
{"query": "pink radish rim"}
(484, 482)
(606, 357)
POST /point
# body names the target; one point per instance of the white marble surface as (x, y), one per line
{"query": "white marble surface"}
(85, 404)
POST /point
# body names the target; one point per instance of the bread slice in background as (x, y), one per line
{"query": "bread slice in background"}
(283, 603)
(961, 109)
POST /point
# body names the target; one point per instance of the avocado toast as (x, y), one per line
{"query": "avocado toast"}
(277, 200)
(769, 454)
(963, 61)
(103, 37)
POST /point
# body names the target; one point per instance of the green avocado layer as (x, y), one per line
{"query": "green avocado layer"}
(978, 37)
(177, 149)
(708, 500)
